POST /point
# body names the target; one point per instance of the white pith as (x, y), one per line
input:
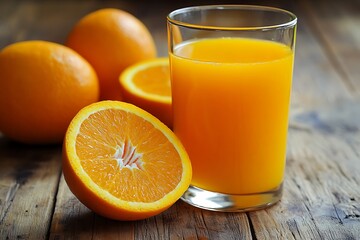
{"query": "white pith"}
(127, 156)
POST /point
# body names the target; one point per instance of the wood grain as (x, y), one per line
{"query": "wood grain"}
(321, 197)
(321, 190)
(71, 220)
(336, 27)
(29, 181)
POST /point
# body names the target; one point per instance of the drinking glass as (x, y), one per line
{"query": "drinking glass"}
(231, 71)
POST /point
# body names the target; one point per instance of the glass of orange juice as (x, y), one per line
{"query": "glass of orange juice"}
(231, 72)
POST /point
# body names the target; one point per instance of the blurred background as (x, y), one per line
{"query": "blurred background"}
(327, 34)
(53, 20)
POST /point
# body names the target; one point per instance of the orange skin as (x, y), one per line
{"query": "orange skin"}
(111, 39)
(42, 86)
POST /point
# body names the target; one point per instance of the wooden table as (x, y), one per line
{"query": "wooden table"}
(322, 193)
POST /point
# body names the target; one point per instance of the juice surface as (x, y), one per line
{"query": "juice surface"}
(231, 101)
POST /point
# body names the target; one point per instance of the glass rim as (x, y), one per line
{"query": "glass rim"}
(292, 22)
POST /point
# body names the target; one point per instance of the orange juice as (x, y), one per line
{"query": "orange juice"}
(231, 101)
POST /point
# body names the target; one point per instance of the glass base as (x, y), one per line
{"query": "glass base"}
(231, 203)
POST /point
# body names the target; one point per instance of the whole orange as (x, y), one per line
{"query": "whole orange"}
(111, 39)
(42, 87)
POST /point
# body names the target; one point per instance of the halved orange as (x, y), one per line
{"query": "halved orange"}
(147, 85)
(122, 162)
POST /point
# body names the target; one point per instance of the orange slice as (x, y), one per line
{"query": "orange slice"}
(122, 162)
(147, 85)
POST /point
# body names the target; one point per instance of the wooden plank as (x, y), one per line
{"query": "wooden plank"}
(29, 180)
(73, 220)
(321, 196)
(325, 169)
(315, 82)
(183, 221)
(337, 26)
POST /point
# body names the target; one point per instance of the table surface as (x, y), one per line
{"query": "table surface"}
(322, 185)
